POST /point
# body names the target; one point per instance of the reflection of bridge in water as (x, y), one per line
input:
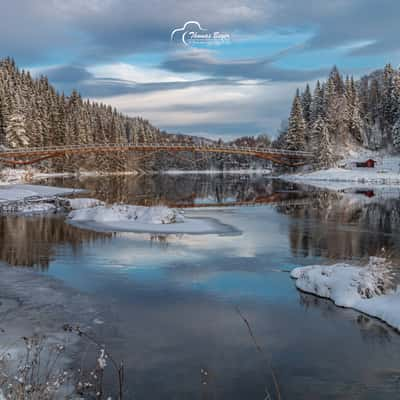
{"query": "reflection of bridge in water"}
(273, 199)
(33, 155)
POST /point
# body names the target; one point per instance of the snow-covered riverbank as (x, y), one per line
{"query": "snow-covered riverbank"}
(33, 310)
(366, 289)
(386, 172)
(12, 176)
(340, 175)
(20, 192)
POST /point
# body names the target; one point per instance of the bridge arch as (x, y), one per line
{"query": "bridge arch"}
(33, 155)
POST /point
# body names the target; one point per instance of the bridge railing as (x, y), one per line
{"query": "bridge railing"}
(189, 146)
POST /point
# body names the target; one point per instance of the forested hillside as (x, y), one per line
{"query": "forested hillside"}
(32, 113)
(342, 113)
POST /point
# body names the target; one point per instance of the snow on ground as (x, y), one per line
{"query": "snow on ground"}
(386, 172)
(20, 192)
(365, 289)
(11, 175)
(127, 218)
(31, 303)
(360, 175)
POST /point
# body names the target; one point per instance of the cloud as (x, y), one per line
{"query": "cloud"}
(224, 109)
(103, 30)
(204, 62)
(64, 74)
(90, 46)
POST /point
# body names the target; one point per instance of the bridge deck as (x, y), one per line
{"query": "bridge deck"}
(41, 153)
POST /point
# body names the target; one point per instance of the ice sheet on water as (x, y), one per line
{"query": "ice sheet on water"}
(31, 303)
(21, 192)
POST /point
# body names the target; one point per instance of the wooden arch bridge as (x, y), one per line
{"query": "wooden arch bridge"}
(33, 155)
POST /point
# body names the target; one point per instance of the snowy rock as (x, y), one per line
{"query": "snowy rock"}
(367, 289)
(76, 204)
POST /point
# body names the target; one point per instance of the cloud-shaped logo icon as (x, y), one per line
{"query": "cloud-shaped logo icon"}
(192, 32)
(184, 31)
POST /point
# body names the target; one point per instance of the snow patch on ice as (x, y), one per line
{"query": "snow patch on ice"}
(366, 289)
(121, 212)
(128, 218)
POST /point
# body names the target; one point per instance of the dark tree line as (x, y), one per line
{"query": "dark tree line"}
(335, 115)
(34, 114)
(341, 113)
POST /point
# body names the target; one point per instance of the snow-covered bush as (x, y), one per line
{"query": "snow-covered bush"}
(376, 278)
(38, 375)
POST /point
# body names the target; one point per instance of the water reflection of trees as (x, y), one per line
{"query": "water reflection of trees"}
(342, 227)
(179, 189)
(33, 241)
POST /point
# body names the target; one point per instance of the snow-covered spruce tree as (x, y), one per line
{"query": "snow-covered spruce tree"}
(16, 131)
(352, 115)
(396, 118)
(335, 106)
(396, 135)
(322, 146)
(295, 138)
(389, 103)
(306, 102)
(317, 105)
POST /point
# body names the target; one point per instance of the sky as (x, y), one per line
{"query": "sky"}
(146, 57)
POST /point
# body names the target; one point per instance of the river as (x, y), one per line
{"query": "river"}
(175, 307)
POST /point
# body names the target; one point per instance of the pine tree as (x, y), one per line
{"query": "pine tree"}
(317, 106)
(296, 135)
(352, 115)
(323, 147)
(396, 135)
(335, 106)
(389, 103)
(306, 102)
(336, 79)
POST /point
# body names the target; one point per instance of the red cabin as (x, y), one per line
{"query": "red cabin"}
(366, 164)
